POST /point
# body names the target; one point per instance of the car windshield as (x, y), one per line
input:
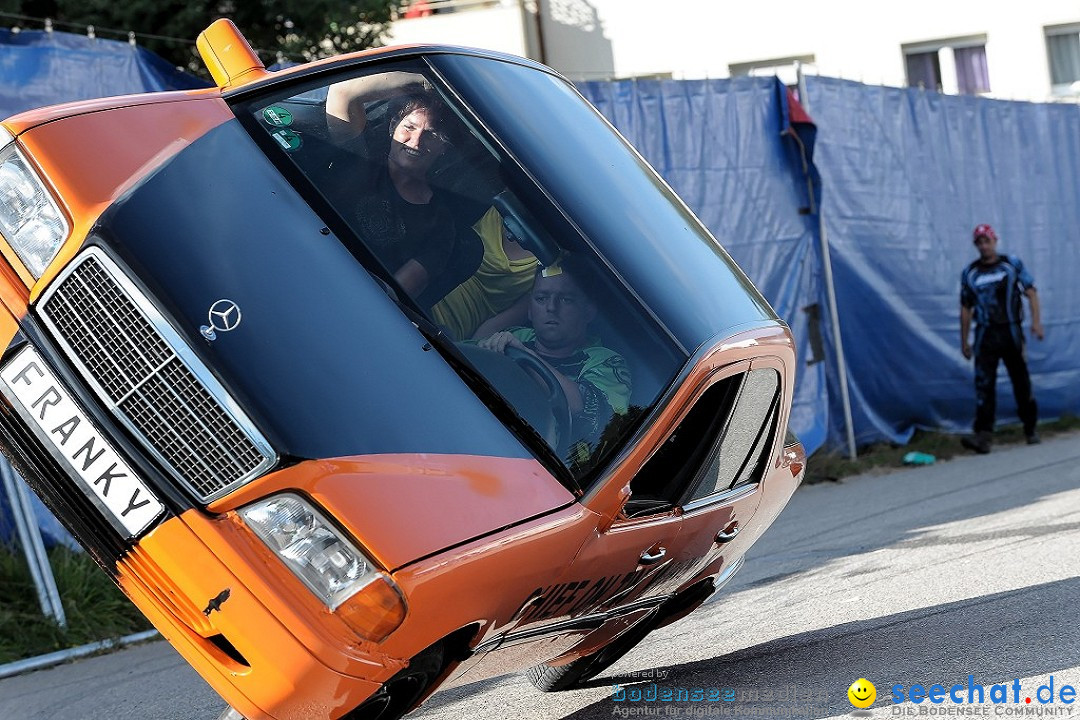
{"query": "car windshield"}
(436, 206)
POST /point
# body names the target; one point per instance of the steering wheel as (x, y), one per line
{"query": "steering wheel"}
(560, 406)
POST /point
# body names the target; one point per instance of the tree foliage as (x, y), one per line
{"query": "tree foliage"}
(292, 30)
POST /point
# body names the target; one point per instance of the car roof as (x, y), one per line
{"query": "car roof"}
(31, 118)
(363, 57)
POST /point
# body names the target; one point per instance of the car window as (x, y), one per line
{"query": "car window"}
(437, 208)
(720, 445)
(741, 449)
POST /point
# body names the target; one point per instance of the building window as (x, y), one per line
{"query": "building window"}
(924, 70)
(1063, 47)
(972, 75)
(950, 66)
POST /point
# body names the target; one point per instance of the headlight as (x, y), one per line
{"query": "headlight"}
(331, 566)
(328, 563)
(30, 219)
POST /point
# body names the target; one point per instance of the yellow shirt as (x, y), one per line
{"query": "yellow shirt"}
(497, 284)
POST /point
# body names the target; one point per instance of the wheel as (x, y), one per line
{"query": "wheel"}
(572, 674)
(560, 406)
(543, 404)
(400, 693)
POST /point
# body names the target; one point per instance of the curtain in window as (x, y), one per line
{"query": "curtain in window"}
(1064, 58)
(924, 70)
(972, 75)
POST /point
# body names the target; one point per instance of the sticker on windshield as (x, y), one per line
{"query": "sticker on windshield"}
(277, 116)
(287, 139)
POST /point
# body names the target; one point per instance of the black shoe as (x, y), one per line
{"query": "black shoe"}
(979, 442)
(1034, 439)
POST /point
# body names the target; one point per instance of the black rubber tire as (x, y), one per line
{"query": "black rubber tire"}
(566, 677)
(400, 693)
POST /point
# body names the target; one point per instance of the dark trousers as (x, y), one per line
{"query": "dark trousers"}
(994, 343)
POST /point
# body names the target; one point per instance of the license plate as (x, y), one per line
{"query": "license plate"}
(66, 431)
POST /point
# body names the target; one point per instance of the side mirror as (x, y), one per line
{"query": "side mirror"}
(228, 56)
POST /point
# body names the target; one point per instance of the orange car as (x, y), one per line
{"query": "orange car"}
(382, 374)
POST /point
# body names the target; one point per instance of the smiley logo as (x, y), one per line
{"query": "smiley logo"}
(862, 693)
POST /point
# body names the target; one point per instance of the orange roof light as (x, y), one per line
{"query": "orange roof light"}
(228, 56)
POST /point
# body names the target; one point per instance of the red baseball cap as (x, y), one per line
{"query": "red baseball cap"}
(984, 229)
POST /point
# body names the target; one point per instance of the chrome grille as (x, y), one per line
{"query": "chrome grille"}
(151, 380)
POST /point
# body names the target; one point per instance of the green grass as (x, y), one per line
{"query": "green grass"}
(95, 607)
(882, 457)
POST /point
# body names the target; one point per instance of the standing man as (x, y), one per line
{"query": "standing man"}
(990, 290)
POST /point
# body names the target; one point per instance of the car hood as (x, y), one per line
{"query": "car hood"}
(405, 507)
(323, 361)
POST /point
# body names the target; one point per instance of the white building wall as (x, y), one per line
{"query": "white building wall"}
(498, 27)
(854, 39)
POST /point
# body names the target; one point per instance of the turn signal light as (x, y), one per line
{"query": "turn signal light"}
(375, 611)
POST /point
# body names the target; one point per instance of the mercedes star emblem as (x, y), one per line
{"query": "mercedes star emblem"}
(224, 316)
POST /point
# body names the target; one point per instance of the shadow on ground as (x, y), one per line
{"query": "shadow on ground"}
(997, 638)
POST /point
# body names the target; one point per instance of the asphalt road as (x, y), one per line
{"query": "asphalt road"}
(924, 576)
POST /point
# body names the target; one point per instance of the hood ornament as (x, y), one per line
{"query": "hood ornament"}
(224, 315)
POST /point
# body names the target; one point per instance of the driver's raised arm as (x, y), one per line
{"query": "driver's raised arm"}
(346, 100)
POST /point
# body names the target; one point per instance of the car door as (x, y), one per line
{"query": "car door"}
(717, 511)
(606, 583)
(694, 487)
(678, 515)
(619, 565)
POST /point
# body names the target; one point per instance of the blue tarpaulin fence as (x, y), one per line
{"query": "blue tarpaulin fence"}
(39, 68)
(907, 175)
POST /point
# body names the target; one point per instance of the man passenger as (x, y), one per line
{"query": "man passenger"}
(595, 379)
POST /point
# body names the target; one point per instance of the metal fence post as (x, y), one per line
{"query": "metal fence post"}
(830, 290)
(32, 544)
